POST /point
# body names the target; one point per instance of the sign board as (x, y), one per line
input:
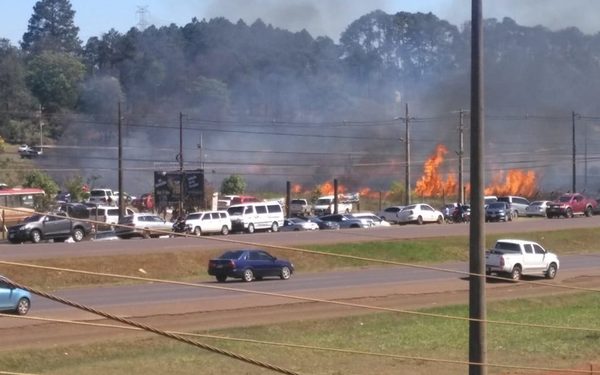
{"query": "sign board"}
(167, 188)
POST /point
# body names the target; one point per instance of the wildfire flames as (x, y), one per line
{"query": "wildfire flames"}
(513, 182)
(431, 183)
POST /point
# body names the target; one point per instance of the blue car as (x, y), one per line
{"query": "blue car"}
(249, 265)
(13, 299)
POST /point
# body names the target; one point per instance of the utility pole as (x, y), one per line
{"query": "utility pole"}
(407, 156)
(180, 157)
(477, 278)
(461, 195)
(120, 167)
(574, 152)
(41, 129)
(585, 157)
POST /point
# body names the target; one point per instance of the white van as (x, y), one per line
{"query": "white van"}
(108, 214)
(253, 216)
(209, 222)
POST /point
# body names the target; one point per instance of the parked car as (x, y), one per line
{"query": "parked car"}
(70, 220)
(517, 204)
(375, 220)
(253, 216)
(13, 299)
(209, 222)
(108, 214)
(499, 211)
(537, 208)
(297, 224)
(420, 213)
(142, 225)
(571, 204)
(390, 214)
(249, 265)
(324, 224)
(300, 207)
(346, 221)
(102, 196)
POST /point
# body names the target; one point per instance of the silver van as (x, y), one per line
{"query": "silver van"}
(251, 216)
(517, 204)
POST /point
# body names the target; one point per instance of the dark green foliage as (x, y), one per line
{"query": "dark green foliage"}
(233, 184)
(51, 28)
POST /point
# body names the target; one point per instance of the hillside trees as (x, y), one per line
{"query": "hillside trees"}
(52, 28)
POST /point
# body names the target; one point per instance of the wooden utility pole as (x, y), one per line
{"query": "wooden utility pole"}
(180, 207)
(120, 166)
(407, 157)
(477, 298)
(461, 128)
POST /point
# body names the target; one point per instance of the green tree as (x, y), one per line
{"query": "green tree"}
(233, 184)
(51, 28)
(54, 79)
(41, 180)
(74, 186)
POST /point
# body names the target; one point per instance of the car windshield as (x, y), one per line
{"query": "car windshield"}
(235, 210)
(232, 255)
(32, 218)
(565, 198)
(323, 201)
(497, 205)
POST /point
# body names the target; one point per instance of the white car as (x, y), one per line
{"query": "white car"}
(375, 220)
(390, 214)
(209, 222)
(420, 213)
(297, 224)
(142, 225)
(537, 208)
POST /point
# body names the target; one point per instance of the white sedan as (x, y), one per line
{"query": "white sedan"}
(420, 213)
(536, 208)
(296, 224)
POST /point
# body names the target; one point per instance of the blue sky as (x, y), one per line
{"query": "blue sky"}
(319, 17)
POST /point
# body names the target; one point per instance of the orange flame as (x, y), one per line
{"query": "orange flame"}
(431, 183)
(296, 188)
(516, 182)
(327, 188)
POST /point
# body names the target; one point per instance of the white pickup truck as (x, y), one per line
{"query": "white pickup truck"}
(520, 257)
(325, 205)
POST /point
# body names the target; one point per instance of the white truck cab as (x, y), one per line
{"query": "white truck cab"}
(520, 257)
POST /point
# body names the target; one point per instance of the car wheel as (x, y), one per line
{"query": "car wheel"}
(36, 236)
(23, 306)
(248, 275)
(440, 220)
(198, 231)
(551, 271)
(420, 220)
(515, 274)
(78, 234)
(221, 278)
(274, 227)
(588, 211)
(250, 228)
(285, 273)
(569, 213)
(224, 230)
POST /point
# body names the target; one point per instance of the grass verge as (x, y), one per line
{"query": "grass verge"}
(384, 333)
(191, 266)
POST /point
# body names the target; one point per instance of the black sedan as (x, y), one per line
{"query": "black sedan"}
(249, 265)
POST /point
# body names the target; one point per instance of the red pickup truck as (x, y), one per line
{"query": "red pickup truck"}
(569, 205)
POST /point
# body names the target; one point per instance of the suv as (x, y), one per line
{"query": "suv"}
(517, 204)
(59, 226)
(108, 214)
(102, 196)
(209, 222)
(300, 207)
